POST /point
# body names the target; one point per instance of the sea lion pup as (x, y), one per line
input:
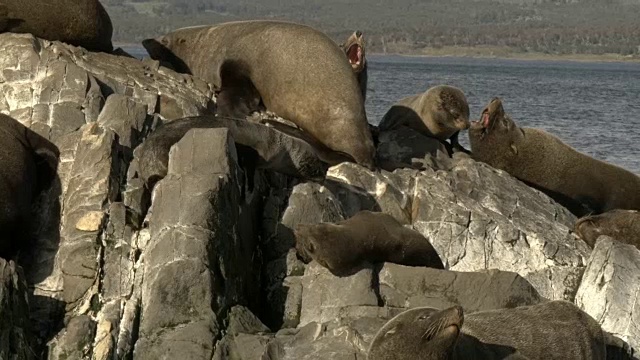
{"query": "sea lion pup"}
(441, 112)
(580, 183)
(366, 236)
(81, 23)
(622, 225)
(295, 71)
(354, 48)
(266, 147)
(29, 163)
(550, 330)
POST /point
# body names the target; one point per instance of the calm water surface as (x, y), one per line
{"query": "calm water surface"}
(594, 107)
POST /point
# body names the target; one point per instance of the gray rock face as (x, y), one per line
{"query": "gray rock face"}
(186, 250)
(205, 268)
(610, 288)
(55, 88)
(480, 218)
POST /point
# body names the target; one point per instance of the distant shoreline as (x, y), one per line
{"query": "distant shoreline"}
(481, 52)
(484, 53)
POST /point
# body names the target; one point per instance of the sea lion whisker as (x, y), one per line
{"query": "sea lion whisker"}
(435, 329)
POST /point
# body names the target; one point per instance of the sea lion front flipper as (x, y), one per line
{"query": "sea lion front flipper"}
(238, 97)
(158, 51)
(455, 144)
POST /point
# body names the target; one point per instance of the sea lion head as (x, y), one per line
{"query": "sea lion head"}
(321, 242)
(448, 111)
(495, 137)
(614, 223)
(354, 47)
(419, 333)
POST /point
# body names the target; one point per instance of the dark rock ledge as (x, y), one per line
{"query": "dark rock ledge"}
(207, 270)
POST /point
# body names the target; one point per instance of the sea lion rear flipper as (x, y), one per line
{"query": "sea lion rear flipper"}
(238, 96)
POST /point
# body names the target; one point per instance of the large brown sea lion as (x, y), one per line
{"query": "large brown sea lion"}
(355, 47)
(81, 23)
(622, 225)
(580, 183)
(441, 112)
(28, 162)
(297, 72)
(365, 237)
(553, 330)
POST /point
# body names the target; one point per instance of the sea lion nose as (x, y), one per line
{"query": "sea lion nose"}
(358, 33)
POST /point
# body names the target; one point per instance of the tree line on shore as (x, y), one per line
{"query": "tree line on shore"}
(409, 26)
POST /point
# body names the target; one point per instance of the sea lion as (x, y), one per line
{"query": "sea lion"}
(295, 71)
(366, 236)
(440, 112)
(354, 48)
(622, 225)
(550, 330)
(580, 183)
(29, 163)
(266, 147)
(81, 23)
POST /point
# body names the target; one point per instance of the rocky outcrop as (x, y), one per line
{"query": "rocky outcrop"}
(96, 108)
(205, 267)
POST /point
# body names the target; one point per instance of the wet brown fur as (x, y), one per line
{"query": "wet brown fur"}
(552, 330)
(298, 73)
(365, 237)
(441, 112)
(622, 225)
(580, 183)
(81, 23)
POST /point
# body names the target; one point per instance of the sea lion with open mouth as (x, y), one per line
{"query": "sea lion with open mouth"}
(580, 183)
(295, 71)
(354, 47)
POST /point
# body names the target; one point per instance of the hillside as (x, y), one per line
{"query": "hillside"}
(413, 26)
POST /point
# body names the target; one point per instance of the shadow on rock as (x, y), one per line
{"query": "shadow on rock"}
(38, 261)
